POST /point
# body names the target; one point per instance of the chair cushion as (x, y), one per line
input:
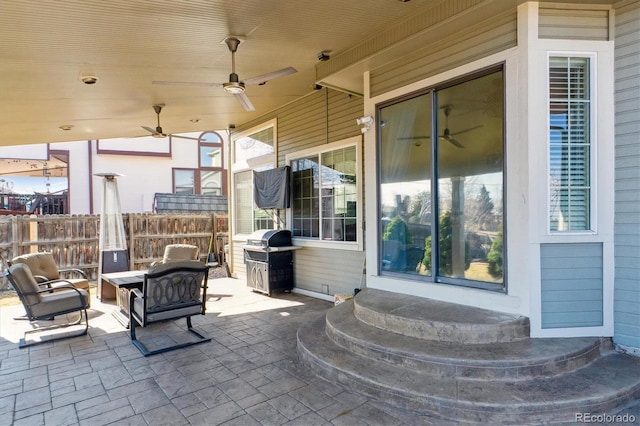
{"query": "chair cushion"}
(176, 252)
(80, 283)
(165, 315)
(22, 280)
(60, 301)
(40, 264)
(161, 267)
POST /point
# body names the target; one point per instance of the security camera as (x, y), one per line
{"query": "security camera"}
(365, 121)
(324, 56)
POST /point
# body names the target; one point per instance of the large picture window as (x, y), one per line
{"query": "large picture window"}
(325, 193)
(441, 156)
(569, 144)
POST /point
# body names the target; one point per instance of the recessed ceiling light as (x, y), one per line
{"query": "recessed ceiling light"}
(89, 79)
(66, 127)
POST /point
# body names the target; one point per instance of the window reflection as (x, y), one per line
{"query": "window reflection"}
(466, 211)
(405, 189)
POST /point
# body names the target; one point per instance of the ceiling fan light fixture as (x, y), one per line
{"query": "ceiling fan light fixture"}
(233, 87)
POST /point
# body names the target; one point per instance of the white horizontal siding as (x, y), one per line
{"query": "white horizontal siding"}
(627, 186)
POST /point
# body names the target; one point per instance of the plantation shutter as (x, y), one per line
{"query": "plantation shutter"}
(569, 143)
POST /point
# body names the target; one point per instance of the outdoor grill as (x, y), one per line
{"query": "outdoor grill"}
(268, 256)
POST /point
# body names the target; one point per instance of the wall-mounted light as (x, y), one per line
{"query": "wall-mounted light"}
(365, 122)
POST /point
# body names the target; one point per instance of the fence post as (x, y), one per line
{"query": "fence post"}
(33, 233)
(16, 238)
(132, 257)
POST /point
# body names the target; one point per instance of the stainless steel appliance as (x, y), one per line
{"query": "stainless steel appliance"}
(268, 256)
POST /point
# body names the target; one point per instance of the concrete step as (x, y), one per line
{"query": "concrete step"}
(609, 382)
(434, 320)
(522, 359)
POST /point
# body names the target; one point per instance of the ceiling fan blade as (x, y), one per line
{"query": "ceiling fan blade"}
(244, 101)
(453, 141)
(261, 79)
(469, 129)
(410, 138)
(148, 129)
(185, 83)
(184, 137)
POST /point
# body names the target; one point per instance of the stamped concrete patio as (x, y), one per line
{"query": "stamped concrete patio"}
(248, 374)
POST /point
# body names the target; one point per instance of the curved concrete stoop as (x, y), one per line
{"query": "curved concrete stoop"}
(510, 380)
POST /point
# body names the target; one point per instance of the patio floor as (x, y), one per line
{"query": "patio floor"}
(248, 374)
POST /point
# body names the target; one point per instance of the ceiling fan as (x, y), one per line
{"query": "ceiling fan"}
(235, 86)
(157, 132)
(446, 135)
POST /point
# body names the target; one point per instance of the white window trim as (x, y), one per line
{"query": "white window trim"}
(602, 173)
(239, 167)
(318, 150)
(593, 143)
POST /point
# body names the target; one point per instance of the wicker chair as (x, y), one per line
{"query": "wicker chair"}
(170, 291)
(44, 303)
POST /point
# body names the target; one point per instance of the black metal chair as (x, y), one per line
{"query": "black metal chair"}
(45, 303)
(170, 291)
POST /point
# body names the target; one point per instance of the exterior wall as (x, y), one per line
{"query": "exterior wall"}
(322, 117)
(136, 170)
(602, 167)
(571, 285)
(447, 52)
(517, 298)
(526, 160)
(627, 189)
(558, 21)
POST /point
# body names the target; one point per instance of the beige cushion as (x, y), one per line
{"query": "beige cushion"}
(40, 264)
(176, 252)
(23, 282)
(60, 301)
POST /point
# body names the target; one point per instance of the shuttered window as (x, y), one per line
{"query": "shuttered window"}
(569, 144)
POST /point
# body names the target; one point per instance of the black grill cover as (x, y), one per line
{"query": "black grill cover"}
(271, 188)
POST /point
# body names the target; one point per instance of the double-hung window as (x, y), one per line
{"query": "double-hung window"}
(570, 143)
(326, 192)
(253, 150)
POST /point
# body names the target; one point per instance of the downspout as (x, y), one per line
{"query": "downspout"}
(89, 175)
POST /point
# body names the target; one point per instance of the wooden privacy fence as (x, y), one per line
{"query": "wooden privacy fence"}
(73, 240)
